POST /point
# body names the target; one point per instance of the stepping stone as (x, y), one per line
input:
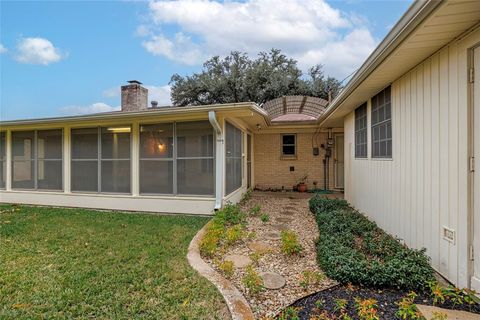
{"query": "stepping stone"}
(280, 227)
(260, 247)
(289, 208)
(272, 236)
(272, 280)
(284, 219)
(287, 213)
(428, 311)
(239, 261)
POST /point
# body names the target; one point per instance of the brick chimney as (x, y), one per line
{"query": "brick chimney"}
(134, 96)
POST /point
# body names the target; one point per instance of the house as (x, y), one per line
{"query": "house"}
(411, 119)
(164, 159)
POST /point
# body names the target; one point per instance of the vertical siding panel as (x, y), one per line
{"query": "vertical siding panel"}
(427, 160)
(405, 213)
(453, 159)
(444, 143)
(435, 165)
(419, 160)
(412, 157)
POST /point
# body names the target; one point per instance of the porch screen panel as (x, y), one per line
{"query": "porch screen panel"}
(3, 154)
(195, 160)
(49, 164)
(156, 158)
(233, 158)
(23, 160)
(84, 171)
(115, 159)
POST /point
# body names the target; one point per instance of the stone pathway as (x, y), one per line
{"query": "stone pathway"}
(281, 274)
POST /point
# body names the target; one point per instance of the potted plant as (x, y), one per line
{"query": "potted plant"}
(302, 184)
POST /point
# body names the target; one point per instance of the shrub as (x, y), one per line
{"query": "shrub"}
(264, 217)
(255, 210)
(407, 309)
(290, 313)
(255, 257)
(367, 309)
(353, 249)
(290, 245)
(309, 278)
(233, 234)
(227, 268)
(231, 214)
(209, 243)
(252, 281)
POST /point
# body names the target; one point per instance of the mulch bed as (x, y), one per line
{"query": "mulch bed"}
(386, 300)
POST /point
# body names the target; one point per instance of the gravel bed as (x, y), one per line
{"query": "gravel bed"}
(270, 302)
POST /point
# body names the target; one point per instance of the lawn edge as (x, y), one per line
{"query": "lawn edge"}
(236, 302)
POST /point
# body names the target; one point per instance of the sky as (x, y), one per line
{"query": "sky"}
(61, 58)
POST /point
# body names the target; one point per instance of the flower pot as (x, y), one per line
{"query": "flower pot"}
(302, 187)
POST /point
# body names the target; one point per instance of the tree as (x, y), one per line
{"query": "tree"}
(237, 78)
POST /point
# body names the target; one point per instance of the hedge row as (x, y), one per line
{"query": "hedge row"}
(353, 249)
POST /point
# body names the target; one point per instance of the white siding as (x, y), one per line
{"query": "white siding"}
(425, 186)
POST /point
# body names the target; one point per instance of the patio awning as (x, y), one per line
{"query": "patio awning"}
(295, 108)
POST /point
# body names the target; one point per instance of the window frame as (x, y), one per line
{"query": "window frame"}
(99, 159)
(35, 159)
(387, 123)
(361, 130)
(3, 160)
(288, 156)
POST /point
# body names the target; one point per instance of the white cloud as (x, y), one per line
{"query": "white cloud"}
(161, 94)
(2, 49)
(310, 31)
(93, 108)
(37, 51)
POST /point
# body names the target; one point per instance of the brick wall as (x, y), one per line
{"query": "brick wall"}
(273, 172)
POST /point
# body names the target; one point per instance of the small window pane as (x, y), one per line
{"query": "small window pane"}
(22, 174)
(233, 158)
(3, 172)
(22, 142)
(289, 150)
(3, 145)
(156, 176)
(85, 143)
(288, 139)
(195, 139)
(116, 176)
(49, 174)
(192, 177)
(116, 143)
(49, 144)
(156, 141)
(85, 176)
(382, 126)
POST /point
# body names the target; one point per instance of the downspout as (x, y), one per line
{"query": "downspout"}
(218, 159)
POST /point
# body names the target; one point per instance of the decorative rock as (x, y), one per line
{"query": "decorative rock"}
(260, 247)
(280, 227)
(272, 280)
(428, 313)
(239, 261)
(272, 236)
(284, 219)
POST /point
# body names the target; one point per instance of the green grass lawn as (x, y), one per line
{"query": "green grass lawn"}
(75, 263)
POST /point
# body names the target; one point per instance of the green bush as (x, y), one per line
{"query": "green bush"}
(352, 249)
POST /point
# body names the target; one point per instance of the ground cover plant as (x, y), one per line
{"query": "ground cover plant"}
(352, 249)
(74, 263)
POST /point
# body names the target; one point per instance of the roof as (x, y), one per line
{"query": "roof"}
(426, 27)
(246, 110)
(295, 109)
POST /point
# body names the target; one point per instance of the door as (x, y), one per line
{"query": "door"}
(249, 160)
(476, 172)
(339, 162)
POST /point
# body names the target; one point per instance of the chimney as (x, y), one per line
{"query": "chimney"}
(134, 96)
(154, 104)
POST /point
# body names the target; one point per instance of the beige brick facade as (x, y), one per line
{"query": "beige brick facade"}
(272, 171)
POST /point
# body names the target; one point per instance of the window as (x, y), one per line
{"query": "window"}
(288, 145)
(101, 159)
(233, 158)
(3, 155)
(184, 167)
(382, 125)
(37, 160)
(361, 131)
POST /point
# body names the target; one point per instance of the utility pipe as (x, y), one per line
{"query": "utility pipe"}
(218, 159)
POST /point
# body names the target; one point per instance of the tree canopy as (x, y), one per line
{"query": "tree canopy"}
(238, 78)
